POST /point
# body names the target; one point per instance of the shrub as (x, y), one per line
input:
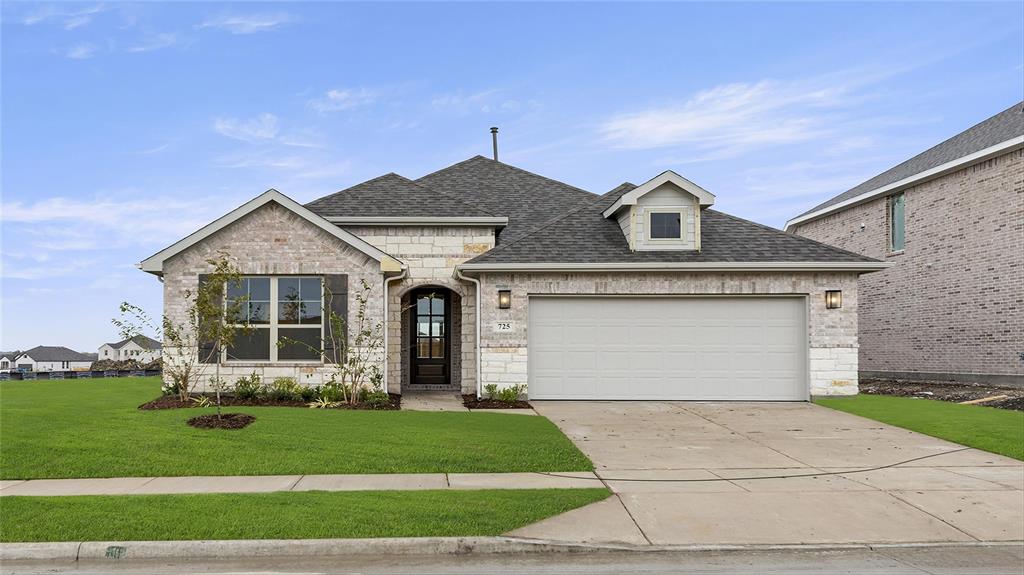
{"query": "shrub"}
(202, 401)
(309, 393)
(332, 391)
(322, 403)
(511, 393)
(377, 397)
(284, 389)
(248, 387)
(170, 388)
(491, 389)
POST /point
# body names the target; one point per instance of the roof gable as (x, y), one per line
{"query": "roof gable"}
(631, 197)
(140, 340)
(154, 263)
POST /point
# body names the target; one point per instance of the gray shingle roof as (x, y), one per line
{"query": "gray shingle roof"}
(143, 342)
(525, 198)
(584, 235)
(392, 195)
(56, 353)
(999, 128)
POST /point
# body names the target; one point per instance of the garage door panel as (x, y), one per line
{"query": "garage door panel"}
(743, 348)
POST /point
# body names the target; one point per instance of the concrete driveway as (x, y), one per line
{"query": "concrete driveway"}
(704, 460)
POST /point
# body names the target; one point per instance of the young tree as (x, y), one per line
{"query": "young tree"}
(211, 324)
(354, 349)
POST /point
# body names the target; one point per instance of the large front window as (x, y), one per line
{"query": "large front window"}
(285, 315)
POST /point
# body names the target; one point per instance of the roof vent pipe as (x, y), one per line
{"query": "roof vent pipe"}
(494, 140)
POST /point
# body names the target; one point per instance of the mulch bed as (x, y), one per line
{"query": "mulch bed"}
(226, 421)
(472, 402)
(946, 391)
(173, 402)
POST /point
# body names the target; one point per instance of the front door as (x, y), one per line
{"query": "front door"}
(431, 323)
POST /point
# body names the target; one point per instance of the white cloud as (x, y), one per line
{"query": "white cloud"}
(727, 119)
(261, 128)
(81, 51)
(247, 23)
(154, 42)
(342, 99)
(72, 17)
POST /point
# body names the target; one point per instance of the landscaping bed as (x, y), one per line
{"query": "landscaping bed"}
(224, 421)
(173, 402)
(946, 391)
(472, 402)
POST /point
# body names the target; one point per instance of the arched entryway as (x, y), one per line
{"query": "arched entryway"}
(431, 335)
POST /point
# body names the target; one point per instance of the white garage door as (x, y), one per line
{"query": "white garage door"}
(696, 348)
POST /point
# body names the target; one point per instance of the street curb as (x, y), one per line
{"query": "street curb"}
(227, 549)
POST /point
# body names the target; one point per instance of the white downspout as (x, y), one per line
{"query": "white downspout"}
(476, 352)
(387, 324)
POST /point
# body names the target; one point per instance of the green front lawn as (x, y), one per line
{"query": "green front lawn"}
(997, 430)
(284, 515)
(91, 428)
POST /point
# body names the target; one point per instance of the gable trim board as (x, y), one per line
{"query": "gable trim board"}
(704, 197)
(154, 263)
(918, 178)
(680, 266)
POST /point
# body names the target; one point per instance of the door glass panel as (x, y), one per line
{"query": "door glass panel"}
(423, 327)
(437, 326)
(437, 306)
(423, 347)
(423, 305)
(437, 347)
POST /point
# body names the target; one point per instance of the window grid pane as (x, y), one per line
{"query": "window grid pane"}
(665, 226)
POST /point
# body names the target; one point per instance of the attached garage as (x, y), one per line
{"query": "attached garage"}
(668, 348)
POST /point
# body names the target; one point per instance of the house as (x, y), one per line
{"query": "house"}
(484, 273)
(139, 348)
(52, 358)
(7, 359)
(951, 221)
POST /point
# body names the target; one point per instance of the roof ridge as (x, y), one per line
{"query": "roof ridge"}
(414, 183)
(792, 235)
(517, 168)
(548, 223)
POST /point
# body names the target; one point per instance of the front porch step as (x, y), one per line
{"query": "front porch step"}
(414, 388)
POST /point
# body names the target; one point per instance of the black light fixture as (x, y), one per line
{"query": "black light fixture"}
(833, 299)
(504, 298)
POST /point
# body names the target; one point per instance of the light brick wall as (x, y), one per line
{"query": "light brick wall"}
(272, 241)
(832, 333)
(954, 301)
(431, 254)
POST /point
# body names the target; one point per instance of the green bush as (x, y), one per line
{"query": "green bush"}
(332, 391)
(248, 387)
(491, 389)
(511, 393)
(285, 389)
(309, 393)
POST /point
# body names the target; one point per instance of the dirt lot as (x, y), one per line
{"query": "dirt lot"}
(946, 391)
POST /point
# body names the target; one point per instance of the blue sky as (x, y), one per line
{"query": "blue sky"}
(127, 126)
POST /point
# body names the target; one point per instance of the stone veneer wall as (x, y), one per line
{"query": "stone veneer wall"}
(431, 254)
(952, 305)
(272, 241)
(832, 332)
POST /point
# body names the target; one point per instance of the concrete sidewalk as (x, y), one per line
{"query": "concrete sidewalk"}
(268, 483)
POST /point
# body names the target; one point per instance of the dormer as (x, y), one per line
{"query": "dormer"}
(662, 214)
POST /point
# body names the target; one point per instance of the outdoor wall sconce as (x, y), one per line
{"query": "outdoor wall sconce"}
(833, 299)
(504, 299)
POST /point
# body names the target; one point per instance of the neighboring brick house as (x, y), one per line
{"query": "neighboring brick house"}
(483, 273)
(951, 219)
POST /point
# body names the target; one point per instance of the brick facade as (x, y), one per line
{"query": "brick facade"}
(953, 304)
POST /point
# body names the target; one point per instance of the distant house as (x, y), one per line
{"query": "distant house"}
(140, 348)
(52, 358)
(951, 220)
(7, 360)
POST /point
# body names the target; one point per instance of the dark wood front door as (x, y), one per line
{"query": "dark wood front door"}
(431, 348)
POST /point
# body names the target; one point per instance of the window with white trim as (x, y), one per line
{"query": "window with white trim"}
(285, 309)
(666, 225)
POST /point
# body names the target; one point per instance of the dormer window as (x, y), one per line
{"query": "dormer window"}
(666, 225)
(662, 214)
